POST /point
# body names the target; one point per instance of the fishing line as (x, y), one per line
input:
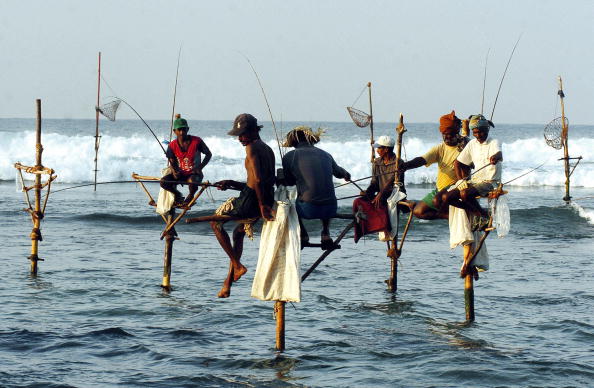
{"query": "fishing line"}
(175, 93)
(504, 73)
(267, 104)
(485, 80)
(360, 94)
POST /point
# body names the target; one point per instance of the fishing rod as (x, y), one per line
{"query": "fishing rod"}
(141, 181)
(145, 123)
(485, 80)
(504, 73)
(267, 104)
(174, 93)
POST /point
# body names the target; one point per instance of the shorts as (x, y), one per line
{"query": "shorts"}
(244, 206)
(309, 211)
(428, 199)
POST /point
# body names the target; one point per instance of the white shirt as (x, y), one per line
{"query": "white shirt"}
(479, 154)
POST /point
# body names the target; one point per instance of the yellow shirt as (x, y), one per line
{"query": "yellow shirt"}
(444, 155)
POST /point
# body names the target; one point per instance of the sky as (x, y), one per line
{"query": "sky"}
(314, 57)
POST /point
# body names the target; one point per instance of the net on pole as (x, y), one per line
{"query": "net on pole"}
(109, 109)
(360, 118)
(553, 132)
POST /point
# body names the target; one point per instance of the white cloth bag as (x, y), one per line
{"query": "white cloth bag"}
(392, 201)
(278, 275)
(461, 234)
(166, 198)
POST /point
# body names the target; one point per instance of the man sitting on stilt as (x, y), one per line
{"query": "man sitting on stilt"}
(444, 154)
(485, 154)
(254, 201)
(311, 169)
(183, 154)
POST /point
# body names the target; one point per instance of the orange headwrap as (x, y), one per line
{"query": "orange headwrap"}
(449, 123)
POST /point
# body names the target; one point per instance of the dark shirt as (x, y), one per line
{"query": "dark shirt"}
(384, 174)
(311, 169)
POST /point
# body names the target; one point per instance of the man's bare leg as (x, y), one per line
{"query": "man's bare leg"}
(469, 197)
(326, 240)
(236, 269)
(424, 212)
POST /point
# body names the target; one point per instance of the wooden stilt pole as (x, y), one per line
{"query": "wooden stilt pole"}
(37, 215)
(279, 312)
(97, 137)
(564, 136)
(468, 287)
(393, 251)
(371, 124)
(167, 259)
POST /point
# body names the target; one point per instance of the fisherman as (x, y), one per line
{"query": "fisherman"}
(444, 154)
(485, 154)
(311, 170)
(383, 172)
(255, 199)
(184, 154)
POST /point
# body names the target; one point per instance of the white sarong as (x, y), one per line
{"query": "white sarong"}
(278, 275)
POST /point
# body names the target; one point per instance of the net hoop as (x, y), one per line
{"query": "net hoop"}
(109, 109)
(553, 132)
(360, 118)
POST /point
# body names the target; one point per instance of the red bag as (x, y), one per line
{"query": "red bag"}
(369, 219)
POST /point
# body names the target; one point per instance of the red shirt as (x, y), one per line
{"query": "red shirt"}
(185, 159)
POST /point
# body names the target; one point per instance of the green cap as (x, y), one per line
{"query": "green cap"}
(180, 123)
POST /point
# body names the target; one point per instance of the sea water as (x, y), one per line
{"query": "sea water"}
(95, 315)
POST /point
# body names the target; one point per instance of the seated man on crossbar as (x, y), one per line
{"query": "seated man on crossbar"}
(311, 170)
(255, 199)
(485, 154)
(184, 154)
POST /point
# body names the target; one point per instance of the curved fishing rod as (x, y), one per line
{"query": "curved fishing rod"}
(267, 104)
(504, 73)
(145, 123)
(175, 93)
(485, 80)
(135, 181)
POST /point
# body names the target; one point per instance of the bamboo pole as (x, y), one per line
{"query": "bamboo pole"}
(371, 123)
(97, 137)
(468, 286)
(393, 251)
(564, 136)
(168, 255)
(37, 215)
(279, 312)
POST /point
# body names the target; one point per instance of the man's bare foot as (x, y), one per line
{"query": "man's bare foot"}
(225, 292)
(326, 242)
(238, 272)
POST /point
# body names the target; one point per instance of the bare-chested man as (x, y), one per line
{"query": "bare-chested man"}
(255, 199)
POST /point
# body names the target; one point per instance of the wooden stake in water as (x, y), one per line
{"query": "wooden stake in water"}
(97, 137)
(279, 311)
(37, 214)
(170, 237)
(468, 287)
(564, 134)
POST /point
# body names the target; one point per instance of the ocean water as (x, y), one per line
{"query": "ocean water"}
(95, 315)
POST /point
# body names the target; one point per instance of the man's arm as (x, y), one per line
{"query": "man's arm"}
(413, 163)
(172, 161)
(203, 148)
(340, 172)
(254, 167)
(289, 178)
(498, 157)
(462, 170)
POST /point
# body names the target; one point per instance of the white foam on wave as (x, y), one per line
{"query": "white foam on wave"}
(587, 214)
(119, 156)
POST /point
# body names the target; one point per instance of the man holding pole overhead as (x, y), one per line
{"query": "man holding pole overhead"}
(184, 154)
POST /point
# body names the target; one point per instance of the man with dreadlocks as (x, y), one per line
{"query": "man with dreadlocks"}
(444, 154)
(184, 159)
(484, 153)
(311, 170)
(255, 199)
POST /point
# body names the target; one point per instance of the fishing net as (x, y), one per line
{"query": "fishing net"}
(360, 118)
(553, 133)
(109, 110)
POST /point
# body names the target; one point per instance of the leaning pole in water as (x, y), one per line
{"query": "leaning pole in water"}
(97, 137)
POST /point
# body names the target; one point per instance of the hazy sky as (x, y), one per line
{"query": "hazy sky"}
(313, 56)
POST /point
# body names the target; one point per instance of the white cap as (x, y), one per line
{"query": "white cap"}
(384, 141)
